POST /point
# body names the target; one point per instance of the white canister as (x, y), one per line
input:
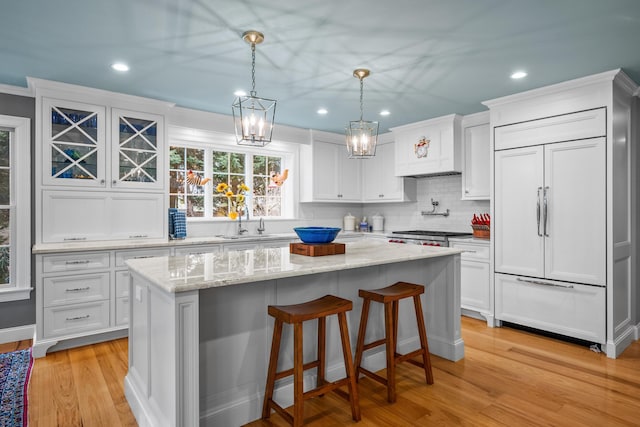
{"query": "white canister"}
(378, 222)
(349, 222)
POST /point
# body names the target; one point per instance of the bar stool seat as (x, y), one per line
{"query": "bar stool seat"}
(390, 296)
(296, 314)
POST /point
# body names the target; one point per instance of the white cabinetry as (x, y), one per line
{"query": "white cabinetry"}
(100, 168)
(379, 181)
(82, 297)
(439, 154)
(476, 155)
(326, 173)
(476, 295)
(564, 210)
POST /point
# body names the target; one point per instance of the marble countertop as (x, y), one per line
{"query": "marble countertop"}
(217, 269)
(75, 246)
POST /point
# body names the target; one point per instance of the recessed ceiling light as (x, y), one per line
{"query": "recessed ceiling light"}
(518, 75)
(385, 112)
(240, 93)
(322, 111)
(120, 66)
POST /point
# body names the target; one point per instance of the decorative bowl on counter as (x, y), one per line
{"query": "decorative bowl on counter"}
(317, 234)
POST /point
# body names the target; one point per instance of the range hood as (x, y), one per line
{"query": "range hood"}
(429, 148)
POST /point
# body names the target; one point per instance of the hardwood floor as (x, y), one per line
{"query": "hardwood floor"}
(508, 378)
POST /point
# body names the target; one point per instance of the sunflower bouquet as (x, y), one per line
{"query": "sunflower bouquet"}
(237, 200)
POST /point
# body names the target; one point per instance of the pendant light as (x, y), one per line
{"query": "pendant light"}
(253, 116)
(362, 135)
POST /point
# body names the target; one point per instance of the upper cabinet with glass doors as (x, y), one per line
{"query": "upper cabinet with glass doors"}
(137, 154)
(76, 136)
(73, 144)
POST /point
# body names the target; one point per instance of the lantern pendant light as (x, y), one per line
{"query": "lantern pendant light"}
(253, 116)
(362, 135)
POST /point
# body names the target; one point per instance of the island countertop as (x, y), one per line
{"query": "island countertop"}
(217, 269)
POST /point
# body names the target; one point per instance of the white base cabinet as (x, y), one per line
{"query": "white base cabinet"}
(476, 294)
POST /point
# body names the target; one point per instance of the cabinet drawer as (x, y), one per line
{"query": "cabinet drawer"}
(197, 250)
(566, 127)
(122, 283)
(122, 256)
(577, 311)
(75, 262)
(122, 311)
(61, 290)
(473, 251)
(73, 319)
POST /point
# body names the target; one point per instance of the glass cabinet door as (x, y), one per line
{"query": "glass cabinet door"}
(137, 155)
(74, 138)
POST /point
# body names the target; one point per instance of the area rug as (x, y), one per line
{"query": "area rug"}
(15, 370)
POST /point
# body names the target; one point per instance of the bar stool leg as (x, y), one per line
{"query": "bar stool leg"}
(361, 332)
(395, 329)
(322, 328)
(391, 349)
(271, 373)
(348, 365)
(422, 331)
(298, 373)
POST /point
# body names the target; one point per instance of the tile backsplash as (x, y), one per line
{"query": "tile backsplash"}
(447, 190)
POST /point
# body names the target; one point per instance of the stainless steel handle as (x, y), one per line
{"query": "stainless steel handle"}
(77, 289)
(86, 261)
(538, 211)
(75, 238)
(470, 252)
(138, 236)
(78, 318)
(545, 211)
(143, 256)
(538, 282)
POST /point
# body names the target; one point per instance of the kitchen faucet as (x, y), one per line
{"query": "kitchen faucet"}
(260, 228)
(240, 229)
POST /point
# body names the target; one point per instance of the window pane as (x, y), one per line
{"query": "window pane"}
(220, 161)
(195, 206)
(5, 187)
(5, 227)
(236, 163)
(195, 159)
(260, 165)
(176, 157)
(220, 206)
(5, 152)
(5, 265)
(260, 185)
(274, 165)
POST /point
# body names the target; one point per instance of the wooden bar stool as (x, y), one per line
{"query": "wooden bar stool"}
(295, 315)
(390, 296)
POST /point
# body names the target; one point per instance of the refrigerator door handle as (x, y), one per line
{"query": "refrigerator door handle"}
(539, 282)
(546, 211)
(538, 211)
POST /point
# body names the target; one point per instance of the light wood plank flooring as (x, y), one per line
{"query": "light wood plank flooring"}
(508, 378)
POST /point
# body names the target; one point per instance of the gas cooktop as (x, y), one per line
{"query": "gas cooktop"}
(432, 233)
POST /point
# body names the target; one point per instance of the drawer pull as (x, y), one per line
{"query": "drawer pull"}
(74, 238)
(470, 252)
(86, 288)
(138, 236)
(538, 282)
(86, 316)
(86, 261)
(143, 256)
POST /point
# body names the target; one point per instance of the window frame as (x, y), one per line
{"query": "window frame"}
(20, 206)
(214, 141)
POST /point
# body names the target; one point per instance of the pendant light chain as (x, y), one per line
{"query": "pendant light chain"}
(361, 91)
(253, 69)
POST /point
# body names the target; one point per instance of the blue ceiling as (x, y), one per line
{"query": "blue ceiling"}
(427, 57)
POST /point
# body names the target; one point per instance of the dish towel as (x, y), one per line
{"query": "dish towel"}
(177, 224)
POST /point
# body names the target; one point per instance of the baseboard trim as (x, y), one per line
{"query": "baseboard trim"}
(18, 333)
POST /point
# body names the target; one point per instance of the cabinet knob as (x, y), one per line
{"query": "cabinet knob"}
(102, 181)
(466, 191)
(380, 195)
(114, 182)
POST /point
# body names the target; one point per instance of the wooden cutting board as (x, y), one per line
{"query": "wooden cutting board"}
(319, 249)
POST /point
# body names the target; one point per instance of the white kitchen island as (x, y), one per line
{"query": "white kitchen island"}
(199, 333)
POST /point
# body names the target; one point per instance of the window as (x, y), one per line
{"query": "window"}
(196, 172)
(15, 211)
